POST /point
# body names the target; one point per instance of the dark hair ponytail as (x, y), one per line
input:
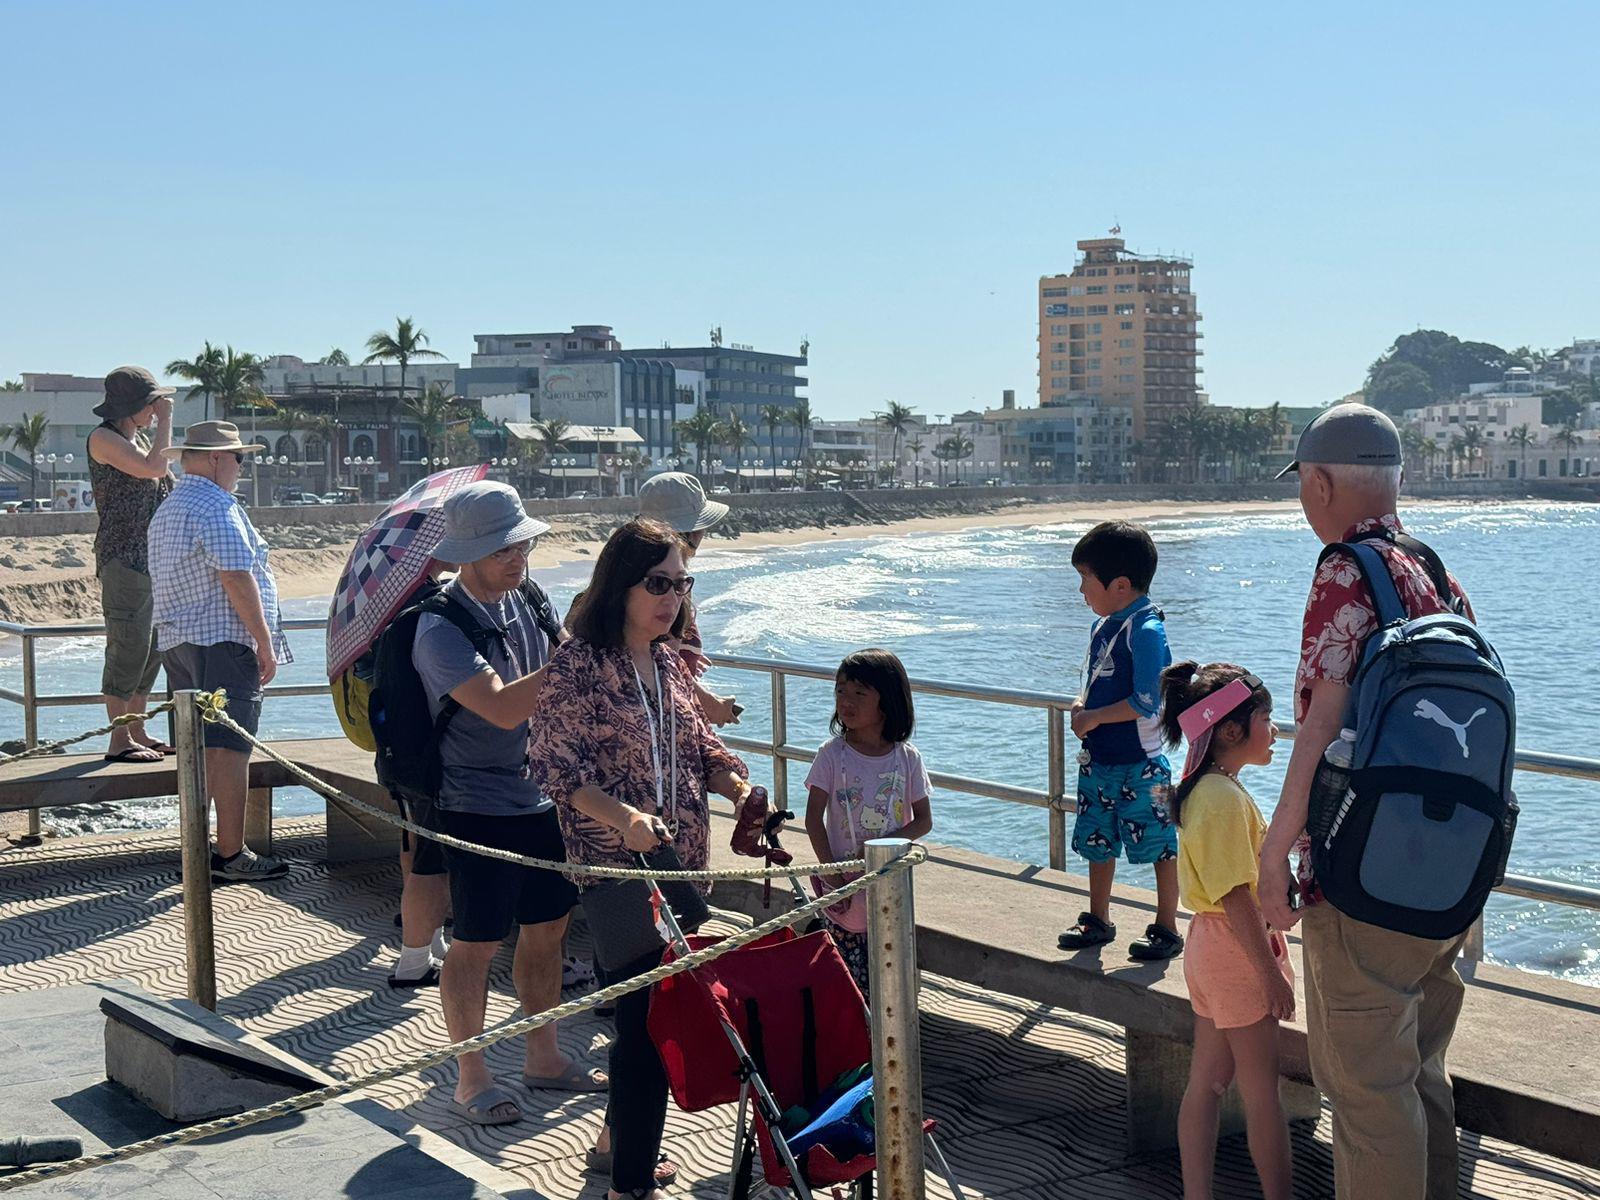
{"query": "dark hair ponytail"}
(1187, 683)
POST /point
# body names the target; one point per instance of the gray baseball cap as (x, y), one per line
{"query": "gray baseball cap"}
(481, 518)
(676, 498)
(1353, 434)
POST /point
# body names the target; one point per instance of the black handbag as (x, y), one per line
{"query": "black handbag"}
(621, 923)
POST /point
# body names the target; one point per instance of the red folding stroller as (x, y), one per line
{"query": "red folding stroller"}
(774, 1023)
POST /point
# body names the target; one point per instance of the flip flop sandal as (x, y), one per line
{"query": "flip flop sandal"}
(429, 978)
(134, 754)
(162, 748)
(598, 1162)
(576, 1078)
(1090, 930)
(480, 1109)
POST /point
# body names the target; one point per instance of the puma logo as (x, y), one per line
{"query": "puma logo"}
(1429, 711)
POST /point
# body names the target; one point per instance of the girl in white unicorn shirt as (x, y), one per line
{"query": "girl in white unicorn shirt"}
(867, 782)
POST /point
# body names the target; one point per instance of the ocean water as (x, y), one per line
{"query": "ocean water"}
(1000, 607)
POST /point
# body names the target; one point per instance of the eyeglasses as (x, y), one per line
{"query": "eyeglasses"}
(512, 553)
(660, 585)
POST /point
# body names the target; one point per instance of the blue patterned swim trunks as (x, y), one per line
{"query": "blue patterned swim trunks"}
(1124, 806)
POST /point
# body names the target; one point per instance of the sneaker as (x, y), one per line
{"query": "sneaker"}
(1157, 944)
(575, 972)
(246, 866)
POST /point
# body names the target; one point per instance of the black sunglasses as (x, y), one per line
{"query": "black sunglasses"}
(660, 585)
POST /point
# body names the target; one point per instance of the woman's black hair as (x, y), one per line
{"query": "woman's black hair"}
(884, 674)
(599, 615)
(1187, 683)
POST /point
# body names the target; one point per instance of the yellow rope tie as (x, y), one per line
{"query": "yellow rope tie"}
(561, 1012)
(211, 705)
(116, 723)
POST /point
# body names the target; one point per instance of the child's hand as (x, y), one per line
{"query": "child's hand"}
(1083, 721)
(1280, 997)
(1272, 886)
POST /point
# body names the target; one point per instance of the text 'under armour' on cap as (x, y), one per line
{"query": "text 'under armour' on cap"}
(1350, 434)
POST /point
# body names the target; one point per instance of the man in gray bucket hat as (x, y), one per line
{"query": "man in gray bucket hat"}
(489, 796)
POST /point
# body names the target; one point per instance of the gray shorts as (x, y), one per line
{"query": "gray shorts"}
(131, 657)
(228, 665)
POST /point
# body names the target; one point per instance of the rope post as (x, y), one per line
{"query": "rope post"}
(896, 1028)
(194, 825)
(1058, 789)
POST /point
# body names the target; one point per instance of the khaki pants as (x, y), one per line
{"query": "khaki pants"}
(1380, 1010)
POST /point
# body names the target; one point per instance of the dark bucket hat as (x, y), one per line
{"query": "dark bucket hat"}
(128, 389)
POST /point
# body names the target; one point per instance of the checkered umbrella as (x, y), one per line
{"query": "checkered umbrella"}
(389, 561)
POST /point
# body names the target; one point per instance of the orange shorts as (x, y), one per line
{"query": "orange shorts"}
(1223, 985)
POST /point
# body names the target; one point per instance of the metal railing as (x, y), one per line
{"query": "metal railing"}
(1055, 798)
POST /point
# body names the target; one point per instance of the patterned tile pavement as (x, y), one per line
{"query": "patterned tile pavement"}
(1030, 1097)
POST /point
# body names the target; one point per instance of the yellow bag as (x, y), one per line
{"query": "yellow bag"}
(352, 694)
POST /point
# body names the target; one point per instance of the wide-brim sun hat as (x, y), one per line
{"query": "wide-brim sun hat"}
(676, 498)
(129, 390)
(481, 518)
(205, 436)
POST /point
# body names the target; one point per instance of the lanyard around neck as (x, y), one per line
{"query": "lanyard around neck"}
(500, 626)
(666, 805)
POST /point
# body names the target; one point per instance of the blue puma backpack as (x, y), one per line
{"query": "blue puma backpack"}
(1422, 835)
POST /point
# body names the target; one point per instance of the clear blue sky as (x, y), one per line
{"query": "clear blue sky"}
(889, 180)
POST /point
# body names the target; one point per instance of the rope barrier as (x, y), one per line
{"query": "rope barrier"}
(116, 723)
(319, 1096)
(212, 706)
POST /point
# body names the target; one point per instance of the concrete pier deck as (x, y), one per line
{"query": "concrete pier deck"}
(1030, 1097)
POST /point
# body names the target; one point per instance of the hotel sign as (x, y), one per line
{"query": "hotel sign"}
(583, 393)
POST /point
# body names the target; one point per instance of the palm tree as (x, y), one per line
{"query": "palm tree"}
(773, 415)
(405, 343)
(916, 460)
(701, 431)
(1522, 437)
(634, 460)
(800, 418)
(433, 410)
(960, 447)
(336, 358)
(736, 435)
(1569, 439)
(290, 419)
(897, 418)
(1472, 443)
(28, 435)
(11, 385)
(1415, 445)
(202, 371)
(551, 434)
(237, 385)
(1457, 448)
(326, 426)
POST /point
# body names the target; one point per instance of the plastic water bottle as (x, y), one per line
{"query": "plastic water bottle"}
(1331, 786)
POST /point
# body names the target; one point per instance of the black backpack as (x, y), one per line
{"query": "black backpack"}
(406, 732)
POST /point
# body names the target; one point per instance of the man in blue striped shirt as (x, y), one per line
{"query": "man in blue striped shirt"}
(217, 621)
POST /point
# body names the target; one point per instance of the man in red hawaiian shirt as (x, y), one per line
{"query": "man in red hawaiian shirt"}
(1380, 1006)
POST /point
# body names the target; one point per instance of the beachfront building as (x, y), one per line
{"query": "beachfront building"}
(1119, 330)
(67, 403)
(584, 375)
(1583, 357)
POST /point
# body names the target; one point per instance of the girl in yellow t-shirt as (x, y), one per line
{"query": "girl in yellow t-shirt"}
(1237, 969)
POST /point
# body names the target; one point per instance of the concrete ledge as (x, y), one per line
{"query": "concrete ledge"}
(180, 1063)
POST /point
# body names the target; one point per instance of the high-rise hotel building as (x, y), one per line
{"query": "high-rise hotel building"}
(1120, 330)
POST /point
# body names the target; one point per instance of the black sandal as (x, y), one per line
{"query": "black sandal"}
(1089, 931)
(1157, 945)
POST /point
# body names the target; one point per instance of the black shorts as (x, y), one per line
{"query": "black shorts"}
(489, 895)
(427, 856)
(230, 666)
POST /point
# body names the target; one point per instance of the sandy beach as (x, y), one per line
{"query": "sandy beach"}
(51, 579)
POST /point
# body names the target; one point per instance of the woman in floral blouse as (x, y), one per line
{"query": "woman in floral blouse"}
(627, 756)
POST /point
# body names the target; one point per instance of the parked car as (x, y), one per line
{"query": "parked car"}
(581, 495)
(335, 498)
(928, 483)
(722, 489)
(33, 506)
(303, 499)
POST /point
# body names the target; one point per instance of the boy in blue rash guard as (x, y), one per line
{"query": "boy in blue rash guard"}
(1123, 778)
